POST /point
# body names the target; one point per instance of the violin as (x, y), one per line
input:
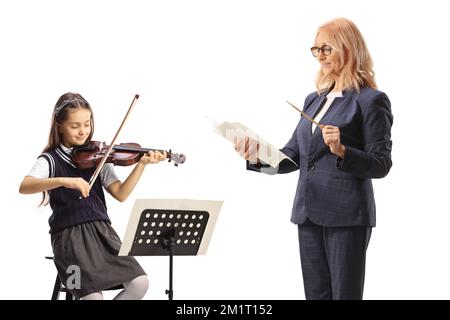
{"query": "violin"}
(96, 154)
(91, 154)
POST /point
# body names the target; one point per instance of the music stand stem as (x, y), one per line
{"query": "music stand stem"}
(169, 243)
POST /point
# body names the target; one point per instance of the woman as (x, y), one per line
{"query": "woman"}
(334, 205)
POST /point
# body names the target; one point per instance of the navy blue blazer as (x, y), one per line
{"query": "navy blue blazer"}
(332, 191)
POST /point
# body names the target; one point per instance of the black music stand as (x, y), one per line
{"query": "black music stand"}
(168, 232)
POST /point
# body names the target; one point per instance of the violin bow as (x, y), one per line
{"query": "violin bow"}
(305, 115)
(111, 145)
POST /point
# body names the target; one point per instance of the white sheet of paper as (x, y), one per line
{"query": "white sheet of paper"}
(267, 153)
(212, 207)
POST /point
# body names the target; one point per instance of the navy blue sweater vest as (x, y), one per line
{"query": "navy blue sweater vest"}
(68, 208)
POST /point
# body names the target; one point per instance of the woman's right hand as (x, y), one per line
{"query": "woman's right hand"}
(247, 149)
(79, 184)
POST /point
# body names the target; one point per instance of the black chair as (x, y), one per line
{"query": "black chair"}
(59, 287)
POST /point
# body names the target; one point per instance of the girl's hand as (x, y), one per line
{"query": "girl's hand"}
(247, 149)
(153, 157)
(332, 138)
(78, 184)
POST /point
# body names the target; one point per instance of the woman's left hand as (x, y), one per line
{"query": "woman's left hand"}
(332, 138)
(153, 157)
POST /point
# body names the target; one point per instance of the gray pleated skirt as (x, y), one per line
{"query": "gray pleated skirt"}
(92, 248)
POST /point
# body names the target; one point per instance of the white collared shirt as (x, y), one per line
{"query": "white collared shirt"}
(330, 98)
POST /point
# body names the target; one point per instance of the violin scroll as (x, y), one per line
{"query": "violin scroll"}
(176, 158)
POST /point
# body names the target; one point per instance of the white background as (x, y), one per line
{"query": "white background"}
(237, 61)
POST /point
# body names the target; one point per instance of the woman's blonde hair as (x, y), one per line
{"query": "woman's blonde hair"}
(355, 69)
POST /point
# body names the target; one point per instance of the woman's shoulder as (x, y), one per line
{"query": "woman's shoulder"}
(310, 98)
(372, 100)
(368, 95)
(312, 95)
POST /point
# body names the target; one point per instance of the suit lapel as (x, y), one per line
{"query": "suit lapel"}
(311, 112)
(304, 135)
(317, 144)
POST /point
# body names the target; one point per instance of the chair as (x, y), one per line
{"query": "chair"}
(59, 287)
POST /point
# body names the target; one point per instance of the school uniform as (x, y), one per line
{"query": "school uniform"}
(80, 229)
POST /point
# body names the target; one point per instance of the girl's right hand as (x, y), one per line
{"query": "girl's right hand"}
(79, 184)
(247, 148)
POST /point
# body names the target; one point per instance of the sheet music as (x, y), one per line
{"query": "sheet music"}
(267, 153)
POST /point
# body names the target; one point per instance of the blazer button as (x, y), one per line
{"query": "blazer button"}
(313, 167)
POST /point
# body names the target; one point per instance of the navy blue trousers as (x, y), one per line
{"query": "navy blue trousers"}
(333, 261)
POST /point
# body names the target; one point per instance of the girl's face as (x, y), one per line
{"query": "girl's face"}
(329, 63)
(76, 128)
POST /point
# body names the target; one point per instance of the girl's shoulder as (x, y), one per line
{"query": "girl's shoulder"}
(48, 155)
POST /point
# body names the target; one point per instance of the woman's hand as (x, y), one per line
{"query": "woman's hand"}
(332, 138)
(78, 184)
(153, 157)
(247, 149)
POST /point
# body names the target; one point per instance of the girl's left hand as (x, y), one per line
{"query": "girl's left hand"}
(332, 138)
(153, 157)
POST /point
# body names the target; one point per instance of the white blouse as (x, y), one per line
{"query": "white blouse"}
(330, 98)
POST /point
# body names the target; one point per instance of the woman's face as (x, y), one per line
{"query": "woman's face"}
(76, 128)
(329, 63)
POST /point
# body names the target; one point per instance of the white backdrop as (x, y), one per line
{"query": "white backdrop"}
(229, 60)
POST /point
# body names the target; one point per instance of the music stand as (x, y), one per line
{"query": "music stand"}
(161, 227)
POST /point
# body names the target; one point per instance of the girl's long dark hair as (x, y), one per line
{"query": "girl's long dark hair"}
(68, 101)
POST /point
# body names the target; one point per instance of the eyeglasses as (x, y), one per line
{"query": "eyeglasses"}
(326, 50)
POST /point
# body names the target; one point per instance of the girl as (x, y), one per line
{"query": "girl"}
(81, 232)
(334, 205)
